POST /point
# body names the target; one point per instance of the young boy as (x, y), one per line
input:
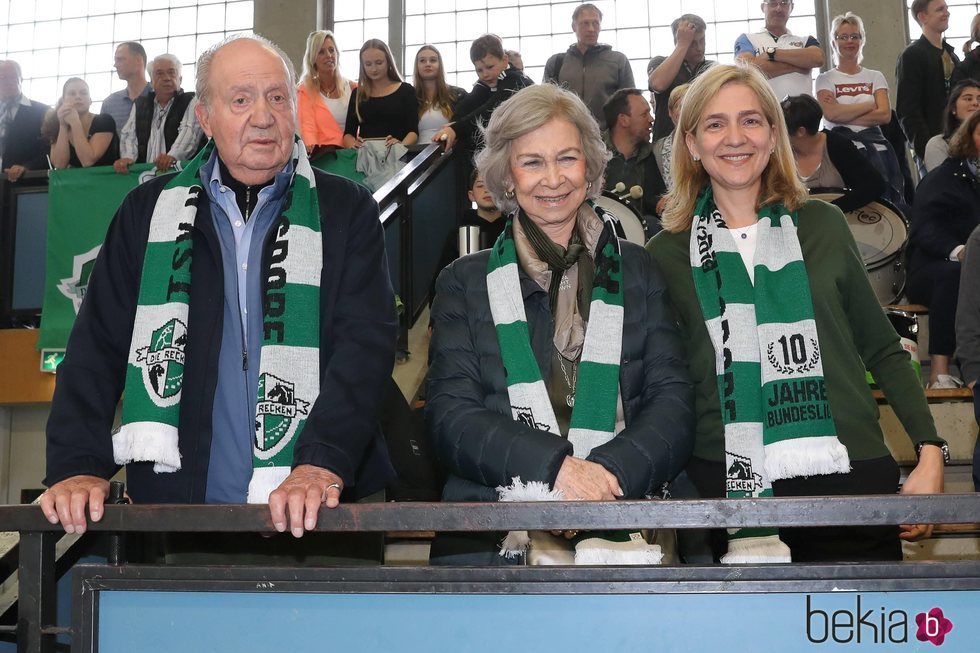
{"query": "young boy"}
(486, 216)
(498, 81)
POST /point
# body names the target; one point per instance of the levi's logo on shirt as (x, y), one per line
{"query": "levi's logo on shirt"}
(853, 89)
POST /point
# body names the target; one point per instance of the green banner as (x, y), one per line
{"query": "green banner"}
(81, 204)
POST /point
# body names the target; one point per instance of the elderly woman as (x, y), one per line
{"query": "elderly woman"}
(780, 324)
(945, 213)
(963, 100)
(80, 139)
(323, 94)
(855, 102)
(554, 357)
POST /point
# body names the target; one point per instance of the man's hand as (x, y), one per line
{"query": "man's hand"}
(686, 32)
(66, 500)
(164, 162)
(926, 478)
(14, 172)
(582, 480)
(122, 166)
(302, 493)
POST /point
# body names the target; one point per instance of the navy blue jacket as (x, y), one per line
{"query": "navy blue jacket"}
(357, 347)
(945, 213)
(469, 414)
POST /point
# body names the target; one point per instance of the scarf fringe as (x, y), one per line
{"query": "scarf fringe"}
(264, 481)
(147, 441)
(600, 551)
(756, 550)
(517, 542)
(813, 456)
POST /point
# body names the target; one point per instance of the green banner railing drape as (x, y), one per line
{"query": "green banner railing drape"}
(81, 204)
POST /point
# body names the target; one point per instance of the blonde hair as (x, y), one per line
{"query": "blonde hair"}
(779, 180)
(852, 19)
(310, 75)
(365, 88)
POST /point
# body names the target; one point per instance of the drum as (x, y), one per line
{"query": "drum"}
(629, 222)
(881, 233)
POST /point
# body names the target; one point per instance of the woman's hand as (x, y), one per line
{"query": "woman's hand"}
(581, 480)
(445, 135)
(926, 478)
(391, 140)
(64, 111)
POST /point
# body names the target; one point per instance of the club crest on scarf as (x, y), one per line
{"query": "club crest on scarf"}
(740, 477)
(162, 362)
(277, 414)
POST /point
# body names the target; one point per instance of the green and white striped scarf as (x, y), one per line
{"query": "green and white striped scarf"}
(289, 369)
(593, 421)
(768, 360)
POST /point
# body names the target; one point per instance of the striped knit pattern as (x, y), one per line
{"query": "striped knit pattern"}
(289, 368)
(769, 368)
(594, 419)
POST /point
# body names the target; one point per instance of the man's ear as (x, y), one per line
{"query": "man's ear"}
(203, 118)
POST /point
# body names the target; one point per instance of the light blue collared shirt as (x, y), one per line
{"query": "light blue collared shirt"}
(236, 394)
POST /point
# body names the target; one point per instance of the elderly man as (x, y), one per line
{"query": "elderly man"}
(628, 139)
(130, 65)
(786, 59)
(922, 75)
(162, 127)
(590, 69)
(244, 308)
(686, 62)
(22, 147)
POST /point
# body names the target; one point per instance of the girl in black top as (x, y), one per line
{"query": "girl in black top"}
(382, 106)
(80, 139)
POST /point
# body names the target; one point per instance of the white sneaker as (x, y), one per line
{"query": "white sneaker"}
(945, 382)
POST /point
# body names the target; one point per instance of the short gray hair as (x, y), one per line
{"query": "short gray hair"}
(528, 110)
(171, 58)
(203, 85)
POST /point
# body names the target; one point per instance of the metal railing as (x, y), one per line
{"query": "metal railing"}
(36, 632)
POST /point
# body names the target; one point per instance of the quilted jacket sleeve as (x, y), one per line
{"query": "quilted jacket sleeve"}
(473, 433)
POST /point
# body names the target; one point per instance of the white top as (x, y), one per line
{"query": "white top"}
(338, 106)
(937, 151)
(429, 123)
(851, 89)
(790, 83)
(745, 240)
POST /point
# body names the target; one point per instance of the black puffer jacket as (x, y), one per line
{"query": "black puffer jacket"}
(469, 415)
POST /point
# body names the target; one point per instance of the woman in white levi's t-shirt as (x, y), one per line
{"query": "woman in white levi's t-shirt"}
(850, 95)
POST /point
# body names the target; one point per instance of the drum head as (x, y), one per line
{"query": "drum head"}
(629, 220)
(879, 228)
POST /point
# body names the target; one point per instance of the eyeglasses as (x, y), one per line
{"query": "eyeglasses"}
(779, 3)
(848, 37)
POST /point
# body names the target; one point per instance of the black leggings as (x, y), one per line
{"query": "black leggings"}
(823, 543)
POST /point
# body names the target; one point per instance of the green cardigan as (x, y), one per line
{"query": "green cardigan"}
(854, 334)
